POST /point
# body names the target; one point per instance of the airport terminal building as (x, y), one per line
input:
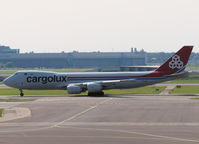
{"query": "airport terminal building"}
(73, 59)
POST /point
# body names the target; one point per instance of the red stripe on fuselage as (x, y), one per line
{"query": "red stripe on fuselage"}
(105, 77)
(153, 74)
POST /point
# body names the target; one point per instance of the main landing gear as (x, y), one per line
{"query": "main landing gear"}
(96, 93)
(21, 92)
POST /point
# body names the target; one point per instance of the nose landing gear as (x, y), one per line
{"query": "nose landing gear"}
(21, 92)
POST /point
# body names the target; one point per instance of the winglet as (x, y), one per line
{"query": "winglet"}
(177, 62)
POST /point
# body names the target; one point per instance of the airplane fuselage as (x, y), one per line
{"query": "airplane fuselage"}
(53, 80)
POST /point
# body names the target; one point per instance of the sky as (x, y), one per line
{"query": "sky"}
(99, 25)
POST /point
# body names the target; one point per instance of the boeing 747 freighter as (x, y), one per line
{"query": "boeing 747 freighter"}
(96, 82)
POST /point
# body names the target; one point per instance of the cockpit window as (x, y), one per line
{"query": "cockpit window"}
(15, 73)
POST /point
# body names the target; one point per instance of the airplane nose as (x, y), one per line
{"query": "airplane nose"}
(11, 82)
(7, 81)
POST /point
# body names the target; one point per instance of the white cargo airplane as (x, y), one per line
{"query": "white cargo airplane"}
(96, 82)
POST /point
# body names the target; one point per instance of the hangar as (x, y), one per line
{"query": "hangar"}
(73, 59)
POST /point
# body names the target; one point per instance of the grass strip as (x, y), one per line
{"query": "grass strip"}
(12, 91)
(193, 67)
(195, 98)
(1, 112)
(4, 76)
(141, 90)
(185, 90)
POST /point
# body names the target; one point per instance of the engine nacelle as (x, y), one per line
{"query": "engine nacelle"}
(74, 89)
(94, 87)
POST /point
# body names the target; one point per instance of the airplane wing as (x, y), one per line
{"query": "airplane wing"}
(98, 86)
(108, 84)
(94, 86)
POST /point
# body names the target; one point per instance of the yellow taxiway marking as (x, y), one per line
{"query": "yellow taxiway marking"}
(142, 134)
(81, 113)
(160, 136)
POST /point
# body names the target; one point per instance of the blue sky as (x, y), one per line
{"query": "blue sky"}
(99, 25)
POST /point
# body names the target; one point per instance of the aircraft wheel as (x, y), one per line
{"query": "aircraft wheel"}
(21, 94)
(101, 93)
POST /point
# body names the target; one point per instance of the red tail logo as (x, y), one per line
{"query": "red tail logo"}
(177, 62)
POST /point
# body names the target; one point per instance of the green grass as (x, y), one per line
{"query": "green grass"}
(142, 90)
(4, 76)
(8, 71)
(12, 91)
(195, 98)
(185, 90)
(1, 112)
(189, 79)
(15, 100)
(193, 67)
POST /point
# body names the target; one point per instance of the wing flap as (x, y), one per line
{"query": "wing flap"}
(109, 84)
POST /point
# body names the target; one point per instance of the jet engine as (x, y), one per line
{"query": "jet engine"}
(94, 87)
(74, 89)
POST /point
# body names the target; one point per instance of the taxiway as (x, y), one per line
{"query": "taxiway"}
(111, 119)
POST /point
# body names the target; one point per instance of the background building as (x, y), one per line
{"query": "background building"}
(74, 59)
(7, 49)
